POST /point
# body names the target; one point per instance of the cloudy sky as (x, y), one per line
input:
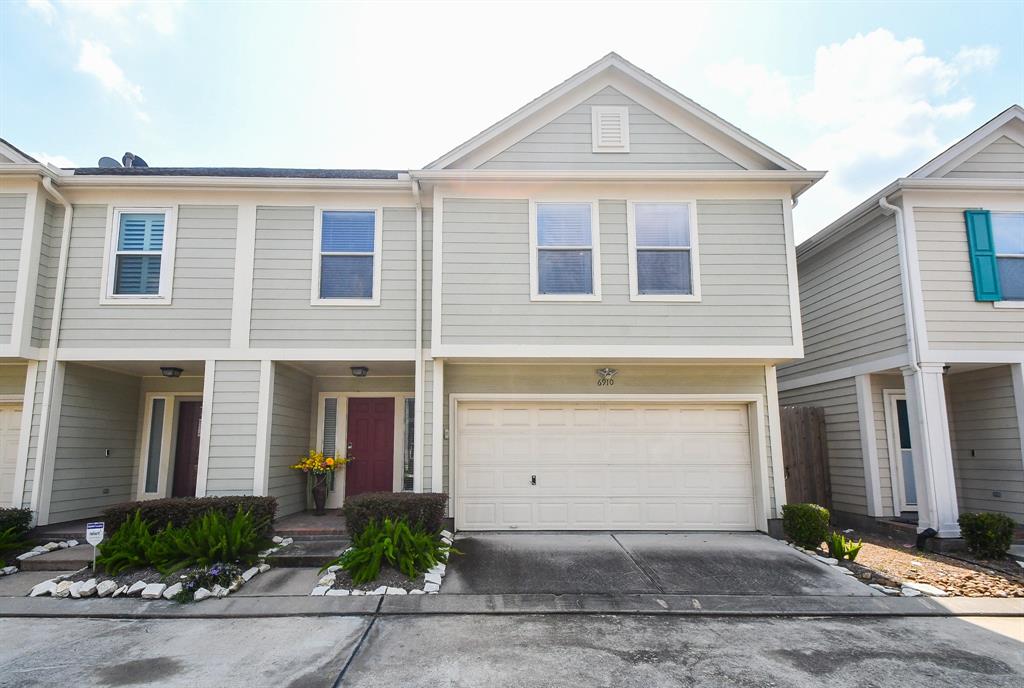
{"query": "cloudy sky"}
(868, 91)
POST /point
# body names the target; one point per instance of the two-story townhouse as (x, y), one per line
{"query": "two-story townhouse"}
(913, 312)
(571, 321)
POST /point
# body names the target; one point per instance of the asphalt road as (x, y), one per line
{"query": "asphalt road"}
(514, 650)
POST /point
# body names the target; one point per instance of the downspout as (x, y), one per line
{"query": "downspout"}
(51, 349)
(908, 296)
(417, 482)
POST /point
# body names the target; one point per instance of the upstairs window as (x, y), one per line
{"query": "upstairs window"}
(662, 252)
(565, 256)
(1008, 236)
(141, 256)
(348, 264)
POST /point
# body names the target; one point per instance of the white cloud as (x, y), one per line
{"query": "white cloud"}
(45, 9)
(126, 15)
(95, 59)
(58, 160)
(872, 109)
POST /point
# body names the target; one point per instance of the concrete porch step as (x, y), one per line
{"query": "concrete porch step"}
(309, 553)
(70, 559)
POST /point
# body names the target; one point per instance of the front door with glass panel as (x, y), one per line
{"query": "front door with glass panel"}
(900, 430)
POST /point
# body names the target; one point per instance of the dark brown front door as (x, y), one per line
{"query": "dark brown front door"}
(371, 438)
(186, 455)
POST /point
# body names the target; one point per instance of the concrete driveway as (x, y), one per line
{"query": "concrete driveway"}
(631, 563)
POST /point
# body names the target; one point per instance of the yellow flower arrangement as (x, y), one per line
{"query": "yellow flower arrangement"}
(315, 462)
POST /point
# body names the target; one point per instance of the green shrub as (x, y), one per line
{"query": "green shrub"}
(11, 544)
(179, 512)
(987, 535)
(210, 539)
(839, 547)
(805, 524)
(422, 511)
(410, 551)
(18, 519)
(130, 546)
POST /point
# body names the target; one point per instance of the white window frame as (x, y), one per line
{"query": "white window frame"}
(634, 280)
(378, 251)
(1008, 303)
(594, 248)
(595, 114)
(167, 250)
(892, 438)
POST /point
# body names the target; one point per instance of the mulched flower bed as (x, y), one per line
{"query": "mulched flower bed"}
(389, 577)
(895, 561)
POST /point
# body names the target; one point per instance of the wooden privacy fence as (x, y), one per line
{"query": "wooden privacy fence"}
(805, 455)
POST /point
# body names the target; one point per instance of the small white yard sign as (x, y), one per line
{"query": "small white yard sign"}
(94, 536)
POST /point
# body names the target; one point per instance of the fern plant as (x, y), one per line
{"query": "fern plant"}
(842, 548)
(208, 540)
(10, 540)
(410, 551)
(129, 547)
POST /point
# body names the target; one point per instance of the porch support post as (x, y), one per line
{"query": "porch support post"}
(1017, 377)
(437, 432)
(933, 455)
(264, 416)
(869, 445)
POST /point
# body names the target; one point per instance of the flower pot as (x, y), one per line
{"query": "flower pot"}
(320, 493)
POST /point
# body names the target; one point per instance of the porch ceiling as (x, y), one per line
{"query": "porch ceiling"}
(344, 368)
(149, 368)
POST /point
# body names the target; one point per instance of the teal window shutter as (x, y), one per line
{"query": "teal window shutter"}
(982, 248)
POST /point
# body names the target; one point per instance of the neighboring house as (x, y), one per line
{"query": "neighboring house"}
(913, 312)
(571, 321)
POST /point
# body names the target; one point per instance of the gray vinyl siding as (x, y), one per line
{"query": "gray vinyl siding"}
(851, 301)
(580, 379)
(99, 412)
(486, 281)
(954, 319)
(233, 419)
(1001, 159)
(282, 315)
(289, 437)
(200, 314)
(566, 143)
(12, 226)
(842, 427)
(880, 383)
(984, 422)
(428, 274)
(33, 438)
(49, 257)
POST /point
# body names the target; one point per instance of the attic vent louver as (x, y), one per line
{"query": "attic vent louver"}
(610, 129)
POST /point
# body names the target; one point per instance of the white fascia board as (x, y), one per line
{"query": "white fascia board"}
(263, 183)
(968, 145)
(228, 354)
(33, 169)
(682, 354)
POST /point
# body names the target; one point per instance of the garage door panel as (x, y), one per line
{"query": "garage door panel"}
(604, 466)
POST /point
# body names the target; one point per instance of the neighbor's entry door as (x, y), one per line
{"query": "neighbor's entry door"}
(899, 429)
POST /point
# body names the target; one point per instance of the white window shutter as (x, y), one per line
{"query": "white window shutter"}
(610, 129)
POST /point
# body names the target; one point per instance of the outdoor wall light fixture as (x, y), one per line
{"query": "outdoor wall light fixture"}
(170, 371)
(359, 371)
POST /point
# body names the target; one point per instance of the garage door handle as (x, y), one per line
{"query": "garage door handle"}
(533, 480)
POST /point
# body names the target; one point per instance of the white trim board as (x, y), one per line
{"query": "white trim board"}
(203, 471)
(889, 397)
(245, 252)
(264, 418)
(868, 445)
(756, 419)
(228, 354)
(27, 411)
(684, 353)
(878, 365)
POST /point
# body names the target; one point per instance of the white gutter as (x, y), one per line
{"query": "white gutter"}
(89, 181)
(914, 356)
(42, 447)
(417, 454)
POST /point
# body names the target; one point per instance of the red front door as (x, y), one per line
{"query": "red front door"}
(371, 439)
(186, 456)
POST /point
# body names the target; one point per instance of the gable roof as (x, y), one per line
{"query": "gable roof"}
(550, 104)
(284, 172)
(1000, 125)
(10, 151)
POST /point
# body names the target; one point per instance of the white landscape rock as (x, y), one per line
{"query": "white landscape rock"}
(847, 571)
(277, 539)
(925, 589)
(826, 560)
(327, 579)
(439, 569)
(27, 555)
(45, 588)
(219, 591)
(446, 534)
(264, 568)
(249, 573)
(885, 589)
(63, 544)
(123, 590)
(153, 591)
(432, 578)
(431, 587)
(171, 591)
(333, 567)
(63, 589)
(106, 588)
(395, 591)
(50, 546)
(72, 543)
(909, 592)
(88, 588)
(8, 570)
(319, 591)
(286, 542)
(201, 594)
(40, 550)
(76, 589)
(357, 592)
(417, 592)
(379, 591)
(135, 589)
(338, 592)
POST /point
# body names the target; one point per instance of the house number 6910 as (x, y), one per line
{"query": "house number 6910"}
(606, 377)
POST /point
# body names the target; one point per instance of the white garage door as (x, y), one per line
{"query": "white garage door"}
(596, 466)
(10, 432)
